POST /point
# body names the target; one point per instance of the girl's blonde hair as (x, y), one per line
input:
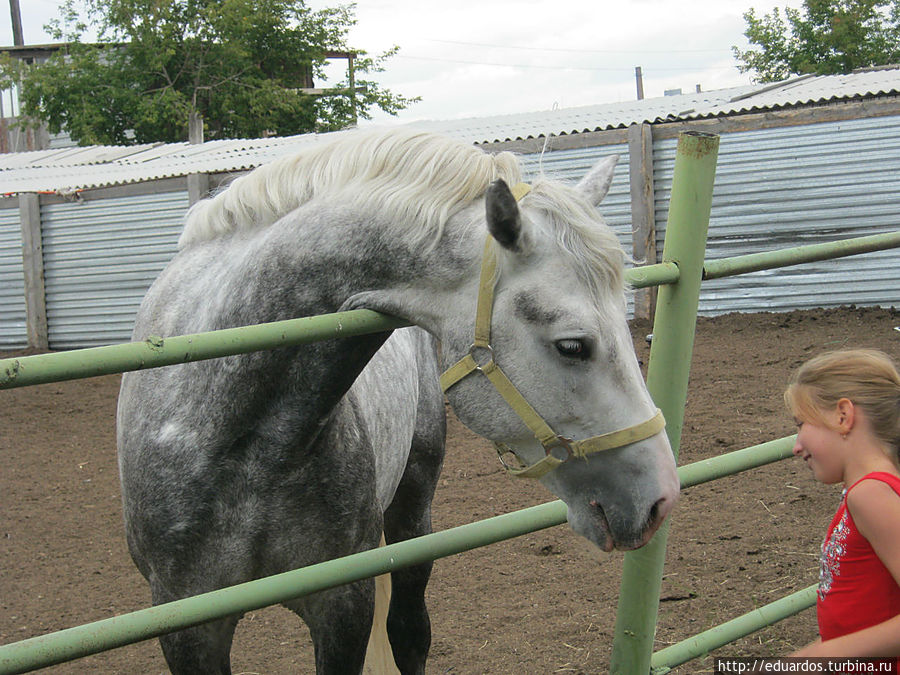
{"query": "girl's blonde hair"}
(867, 377)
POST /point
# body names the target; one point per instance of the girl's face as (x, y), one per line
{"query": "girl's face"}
(822, 448)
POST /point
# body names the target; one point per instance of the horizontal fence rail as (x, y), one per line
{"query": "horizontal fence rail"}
(756, 262)
(118, 631)
(652, 275)
(155, 352)
(665, 659)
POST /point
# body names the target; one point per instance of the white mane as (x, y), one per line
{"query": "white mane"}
(416, 179)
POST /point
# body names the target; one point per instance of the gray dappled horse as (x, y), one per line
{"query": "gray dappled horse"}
(251, 465)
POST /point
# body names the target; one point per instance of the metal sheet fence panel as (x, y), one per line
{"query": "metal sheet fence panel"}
(13, 331)
(99, 259)
(779, 188)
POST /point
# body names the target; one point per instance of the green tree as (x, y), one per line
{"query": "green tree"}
(824, 37)
(240, 64)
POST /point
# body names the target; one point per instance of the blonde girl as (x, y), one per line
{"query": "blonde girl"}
(847, 408)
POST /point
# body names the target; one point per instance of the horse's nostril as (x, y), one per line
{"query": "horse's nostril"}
(658, 512)
(602, 513)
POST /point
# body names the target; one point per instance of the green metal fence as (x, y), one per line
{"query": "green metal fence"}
(680, 274)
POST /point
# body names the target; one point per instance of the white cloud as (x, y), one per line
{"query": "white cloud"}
(475, 58)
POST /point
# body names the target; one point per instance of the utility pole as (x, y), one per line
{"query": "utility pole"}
(16, 15)
(197, 183)
(639, 79)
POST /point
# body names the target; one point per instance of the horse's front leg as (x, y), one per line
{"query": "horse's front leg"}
(339, 621)
(408, 624)
(409, 516)
(200, 650)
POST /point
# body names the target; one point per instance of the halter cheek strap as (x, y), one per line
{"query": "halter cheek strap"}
(480, 359)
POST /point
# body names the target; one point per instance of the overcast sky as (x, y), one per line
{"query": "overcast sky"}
(474, 58)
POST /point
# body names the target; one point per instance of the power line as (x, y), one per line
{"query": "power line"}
(534, 66)
(583, 51)
(504, 65)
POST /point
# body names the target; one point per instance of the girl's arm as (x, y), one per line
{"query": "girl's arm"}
(880, 640)
(875, 509)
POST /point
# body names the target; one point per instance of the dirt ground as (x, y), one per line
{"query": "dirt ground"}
(538, 604)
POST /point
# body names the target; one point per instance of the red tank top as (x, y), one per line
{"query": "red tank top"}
(855, 589)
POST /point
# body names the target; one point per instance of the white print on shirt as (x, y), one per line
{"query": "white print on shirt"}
(833, 550)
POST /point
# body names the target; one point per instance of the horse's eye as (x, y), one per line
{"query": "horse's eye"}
(573, 348)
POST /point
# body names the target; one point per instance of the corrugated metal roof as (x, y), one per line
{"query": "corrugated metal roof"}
(70, 169)
(583, 119)
(809, 90)
(800, 91)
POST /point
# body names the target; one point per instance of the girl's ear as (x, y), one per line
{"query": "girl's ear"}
(846, 415)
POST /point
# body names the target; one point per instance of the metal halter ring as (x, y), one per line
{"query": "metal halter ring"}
(561, 442)
(481, 350)
(504, 449)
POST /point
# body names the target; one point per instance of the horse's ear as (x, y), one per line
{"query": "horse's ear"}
(503, 219)
(596, 183)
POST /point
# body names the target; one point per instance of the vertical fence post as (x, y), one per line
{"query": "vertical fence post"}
(667, 380)
(643, 210)
(33, 271)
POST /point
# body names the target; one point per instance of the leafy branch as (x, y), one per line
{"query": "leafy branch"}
(240, 64)
(824, 37)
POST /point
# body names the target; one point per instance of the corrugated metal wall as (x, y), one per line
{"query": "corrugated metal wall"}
(13, 333)
(778, 188)
(99, 259)
(784, 187)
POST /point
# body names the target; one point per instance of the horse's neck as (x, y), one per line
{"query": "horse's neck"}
(303, 268)
(333, 262)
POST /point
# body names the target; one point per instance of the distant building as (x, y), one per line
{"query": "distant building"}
(14, 138)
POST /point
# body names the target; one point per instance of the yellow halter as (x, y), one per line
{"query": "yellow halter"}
(542, 431)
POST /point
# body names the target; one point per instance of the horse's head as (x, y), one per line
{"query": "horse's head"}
(553, 376)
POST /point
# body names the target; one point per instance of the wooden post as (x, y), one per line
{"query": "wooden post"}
(643, 211)
(351, 78)
(4, 135)
(16, 15)
(197, 183)
(33, 267)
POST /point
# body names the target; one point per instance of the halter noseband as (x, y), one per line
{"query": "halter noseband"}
(481, 349)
